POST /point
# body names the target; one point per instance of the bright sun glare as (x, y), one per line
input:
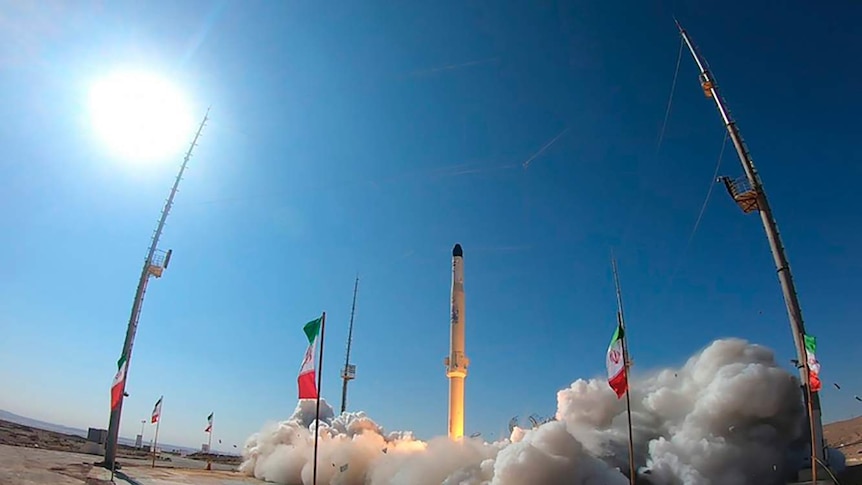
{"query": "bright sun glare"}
(140, 116)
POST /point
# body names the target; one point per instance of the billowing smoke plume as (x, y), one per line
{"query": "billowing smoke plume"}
(729, 416)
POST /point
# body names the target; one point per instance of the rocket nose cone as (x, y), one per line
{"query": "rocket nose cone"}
(457, 252)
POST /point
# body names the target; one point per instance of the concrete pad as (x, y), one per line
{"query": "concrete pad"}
(170, 461)
(143, 475)
(21, 465)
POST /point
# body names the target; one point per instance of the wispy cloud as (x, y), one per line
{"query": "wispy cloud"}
(527, 162)
(456, 170)
(451, 67)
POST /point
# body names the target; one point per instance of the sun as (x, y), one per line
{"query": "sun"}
(140, 116)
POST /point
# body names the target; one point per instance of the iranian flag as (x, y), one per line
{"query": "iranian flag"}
(157, 411)
(306, 379)
(616, 364)
(209, 423)
(119, 382)
(813, 365)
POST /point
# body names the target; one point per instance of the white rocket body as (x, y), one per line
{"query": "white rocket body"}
(456, 363)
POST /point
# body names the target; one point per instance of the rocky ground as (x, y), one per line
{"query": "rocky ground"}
(19, 435)
(846, 436)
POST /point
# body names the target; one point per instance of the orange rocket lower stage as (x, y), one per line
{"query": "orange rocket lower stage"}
(456, 363)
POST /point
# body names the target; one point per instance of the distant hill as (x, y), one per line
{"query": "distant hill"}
(57, 428)
(35, 423)
(846, 436)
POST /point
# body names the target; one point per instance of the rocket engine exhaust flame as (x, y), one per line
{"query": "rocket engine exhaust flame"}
(730, 416)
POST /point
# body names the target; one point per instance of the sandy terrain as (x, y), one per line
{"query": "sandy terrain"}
(20, 465)
(847, 437)
(19, 435)
(32, 466)
(30, 456)
(169, 476)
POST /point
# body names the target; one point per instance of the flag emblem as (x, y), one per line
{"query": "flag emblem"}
(157, 411)
(617, 372)
(306, 379)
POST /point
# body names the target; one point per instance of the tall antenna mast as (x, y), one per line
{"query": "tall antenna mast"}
(155, 264)
(349, 372)
(749, 194)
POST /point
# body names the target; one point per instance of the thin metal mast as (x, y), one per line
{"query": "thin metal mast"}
(626, 364)
(349, 373)
(153, 266)
(317, 399)
(754, 198)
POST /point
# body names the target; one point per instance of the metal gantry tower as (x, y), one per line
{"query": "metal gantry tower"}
(155, 264)
(349, 372)
(749, 194)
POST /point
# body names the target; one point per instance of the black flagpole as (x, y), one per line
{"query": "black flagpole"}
(317, 408)
(621, 321)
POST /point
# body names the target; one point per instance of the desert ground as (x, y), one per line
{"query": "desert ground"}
(31, 456)
(847, 436)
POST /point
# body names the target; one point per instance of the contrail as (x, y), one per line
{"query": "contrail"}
(448, 171)
(477, 170)
(451, 67)
(547, 145)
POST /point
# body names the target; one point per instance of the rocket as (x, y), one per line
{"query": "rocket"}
(456, 363)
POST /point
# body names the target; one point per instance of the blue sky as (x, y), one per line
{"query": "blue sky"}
(363, 137)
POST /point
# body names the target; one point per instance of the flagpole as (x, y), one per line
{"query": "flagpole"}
(811, 425)
(143, 423)
(210, 447)
(156, 439)
(813, 437)
(317, 408)
(622, 324)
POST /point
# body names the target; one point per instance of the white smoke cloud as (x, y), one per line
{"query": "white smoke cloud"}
(730, 415)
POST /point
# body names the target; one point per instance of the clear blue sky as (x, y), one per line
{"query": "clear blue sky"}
(371, 138)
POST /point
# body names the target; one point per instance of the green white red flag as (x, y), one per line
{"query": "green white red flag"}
(119, 383)
(615, 363)
(813, 364)
(157, 411)
(307, 375)
(209, 423)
